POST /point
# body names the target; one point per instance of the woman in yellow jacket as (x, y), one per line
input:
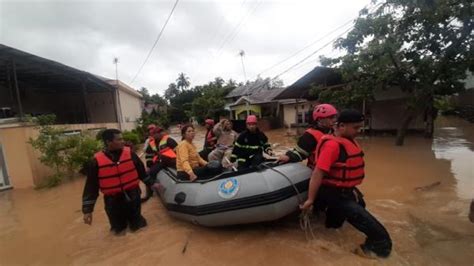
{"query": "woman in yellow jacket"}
(189, 164)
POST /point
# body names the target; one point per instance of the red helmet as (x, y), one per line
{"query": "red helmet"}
(209, 122)
(324, 110)
(251, 119)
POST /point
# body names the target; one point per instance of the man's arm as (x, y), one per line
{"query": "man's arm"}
(305, 146)
(144, 177)
(172, 143)
(329, 155)
(91, 189)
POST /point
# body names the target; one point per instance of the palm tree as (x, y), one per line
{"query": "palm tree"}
(182, 81)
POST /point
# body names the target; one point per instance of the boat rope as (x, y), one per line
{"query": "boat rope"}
(305, 215)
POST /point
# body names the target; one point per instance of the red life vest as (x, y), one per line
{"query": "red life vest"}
(115, 177)
(164, 150)
(211, 140)
(348, 171)
(317, 135)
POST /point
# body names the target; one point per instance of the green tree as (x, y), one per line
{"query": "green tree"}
(423, 47)
(172, 91)
(182, 81)
(145, 93)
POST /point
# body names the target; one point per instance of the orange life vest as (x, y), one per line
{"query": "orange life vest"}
(317, 135)
(348, 171)
(152, 143)
(115, 177)
(164, 150)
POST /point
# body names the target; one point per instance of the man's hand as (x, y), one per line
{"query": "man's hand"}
(283, 158)
(88, 218)
(192, 177)
(306, 205)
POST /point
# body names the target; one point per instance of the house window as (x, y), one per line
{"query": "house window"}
(299, 118)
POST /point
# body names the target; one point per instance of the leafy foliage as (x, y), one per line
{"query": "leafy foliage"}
(423, 47)
(60, 152)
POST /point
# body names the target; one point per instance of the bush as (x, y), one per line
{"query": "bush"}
(64, 154)
(130, 136)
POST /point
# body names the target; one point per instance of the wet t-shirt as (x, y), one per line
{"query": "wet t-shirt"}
(328, 155)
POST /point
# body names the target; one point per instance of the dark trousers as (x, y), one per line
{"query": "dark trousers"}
(348, 205)
(252, 162)
(124, 209)
(201, 173)
(155, 169)
(205, 153)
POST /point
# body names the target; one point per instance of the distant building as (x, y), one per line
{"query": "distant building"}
(31, 85)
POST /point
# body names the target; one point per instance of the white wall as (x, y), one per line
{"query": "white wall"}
(131, 110)
(101, 107)
(289, 112)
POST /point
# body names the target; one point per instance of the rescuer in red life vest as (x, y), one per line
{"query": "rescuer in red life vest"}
(210, 139)
(339, 169)
(116, 172)
(324, 117)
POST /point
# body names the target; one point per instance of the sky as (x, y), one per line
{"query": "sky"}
(202, 39)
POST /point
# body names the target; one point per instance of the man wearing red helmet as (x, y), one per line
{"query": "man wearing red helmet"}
(324, 117)
(249, 145)
(209, 140)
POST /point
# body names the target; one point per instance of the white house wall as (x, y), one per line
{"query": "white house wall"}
(131, 110)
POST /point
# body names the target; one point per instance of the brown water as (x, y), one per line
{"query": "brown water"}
(429, 226)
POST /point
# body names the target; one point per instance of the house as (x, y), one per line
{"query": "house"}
(384, 112)
(129, 104)
(256, 98)
(31, 85)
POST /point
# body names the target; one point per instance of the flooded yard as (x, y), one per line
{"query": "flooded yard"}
(420, 192)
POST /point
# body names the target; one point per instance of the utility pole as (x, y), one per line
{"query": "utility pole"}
(117, 93)
(242, 54)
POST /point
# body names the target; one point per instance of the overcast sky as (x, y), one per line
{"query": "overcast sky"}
(202, 39)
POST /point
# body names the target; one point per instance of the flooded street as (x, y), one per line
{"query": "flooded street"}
(420, 192)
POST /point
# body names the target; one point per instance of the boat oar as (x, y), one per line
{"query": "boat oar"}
(233, 167)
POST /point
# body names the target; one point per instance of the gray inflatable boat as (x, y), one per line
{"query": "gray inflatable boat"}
(250, 196)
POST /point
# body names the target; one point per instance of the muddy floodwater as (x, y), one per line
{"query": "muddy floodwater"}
(421, 193)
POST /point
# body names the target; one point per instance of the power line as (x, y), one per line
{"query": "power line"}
(156, 41)
(306, 58)
(316, 41)
(234, 32)
(315, 52)
(307, 46)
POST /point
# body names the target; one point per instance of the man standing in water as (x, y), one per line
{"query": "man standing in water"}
(116, 172)
(339, 169)
(324, 116)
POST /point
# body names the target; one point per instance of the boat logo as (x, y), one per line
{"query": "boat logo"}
(228, 188)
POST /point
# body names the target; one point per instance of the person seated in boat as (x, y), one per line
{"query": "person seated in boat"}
(149, 156)
(209, 139)
(250, 145)
(163, 147)
(225, 141)
(189, 164)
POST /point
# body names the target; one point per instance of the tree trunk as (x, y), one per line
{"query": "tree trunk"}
(429, 119)
(402, 130)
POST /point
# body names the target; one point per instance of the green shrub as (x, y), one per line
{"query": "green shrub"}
(131, 137)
